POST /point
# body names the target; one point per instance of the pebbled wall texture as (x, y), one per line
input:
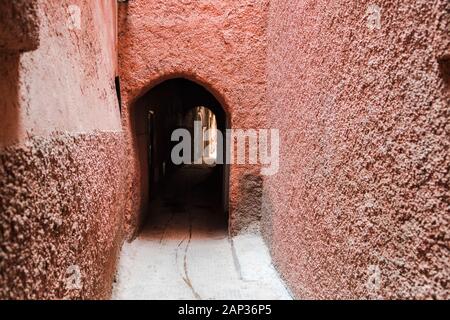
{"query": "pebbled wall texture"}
(61, 151)
(360, 208)
(61, 216)
(19, 26)
(218, 44)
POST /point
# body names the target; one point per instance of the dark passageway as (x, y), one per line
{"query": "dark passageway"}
(172, 187)
(183, 250)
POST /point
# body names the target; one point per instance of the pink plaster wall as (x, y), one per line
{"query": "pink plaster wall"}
(66, 83)
(61, 150)
(220, 45)
(364, 119)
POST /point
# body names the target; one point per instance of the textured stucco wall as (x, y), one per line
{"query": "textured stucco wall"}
(19, 26)
(218, 44)
(364, 119)
(51, 88)
(61, 211)
(61, 157)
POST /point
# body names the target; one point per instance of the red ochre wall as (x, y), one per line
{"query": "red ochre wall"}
(360, 207)
(61, 151)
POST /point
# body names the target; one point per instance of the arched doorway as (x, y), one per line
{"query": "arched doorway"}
(168, 186)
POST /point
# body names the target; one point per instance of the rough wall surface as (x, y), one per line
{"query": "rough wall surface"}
(61, 213)
(61, 157)
(19, 26)
(219, 44)
(360, 208)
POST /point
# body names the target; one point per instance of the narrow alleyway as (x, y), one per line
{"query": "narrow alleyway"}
(184, 251)
(322, 124)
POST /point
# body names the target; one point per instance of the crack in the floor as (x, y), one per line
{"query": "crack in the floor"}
(186, 278)
(237, 265)
(166, 226)
(176, 251)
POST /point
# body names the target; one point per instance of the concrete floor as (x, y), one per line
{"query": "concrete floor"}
(184, 252)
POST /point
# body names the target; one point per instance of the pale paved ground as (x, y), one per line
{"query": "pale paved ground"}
(185, 254)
